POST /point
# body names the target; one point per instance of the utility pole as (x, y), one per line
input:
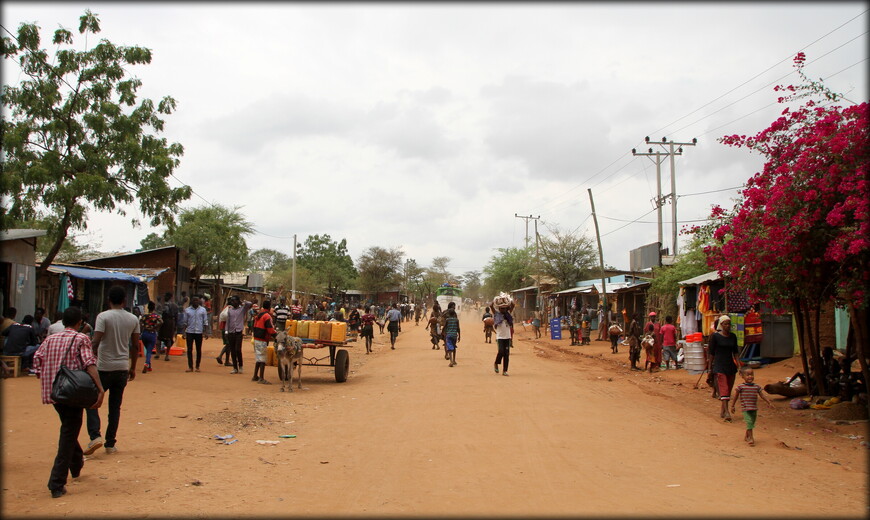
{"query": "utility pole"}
(527, 219)
(658, 158)
(293, 277)
(600, 260)
(669, 145)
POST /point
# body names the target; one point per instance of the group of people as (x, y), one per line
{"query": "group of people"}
(23, 339)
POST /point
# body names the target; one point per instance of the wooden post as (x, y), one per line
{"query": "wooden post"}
(600, 258)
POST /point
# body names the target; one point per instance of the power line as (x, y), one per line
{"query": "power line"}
(651, 221)
(712, 191)
(630, 223)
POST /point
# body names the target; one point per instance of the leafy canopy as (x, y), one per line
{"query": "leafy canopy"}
(566, 257)
(215, 237)
(328, 261)
(506, 270)
(77, 139)
(380, 269)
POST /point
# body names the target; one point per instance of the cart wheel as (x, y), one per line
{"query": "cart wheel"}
(342, 366)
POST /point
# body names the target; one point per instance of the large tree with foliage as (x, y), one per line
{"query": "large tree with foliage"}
(328, 261)
(215, 237)
(471, 284)
(439, 269)
(507, 270)
(281, 280)
(266, 259)
(75, 137)
(380, 269)
(154, 241)
(566, 257)
(799, 236)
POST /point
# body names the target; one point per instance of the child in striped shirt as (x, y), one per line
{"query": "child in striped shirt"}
(748, 394)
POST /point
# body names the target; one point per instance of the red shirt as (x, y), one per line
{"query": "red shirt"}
(52, 353)
(264, 321)
(669, 335)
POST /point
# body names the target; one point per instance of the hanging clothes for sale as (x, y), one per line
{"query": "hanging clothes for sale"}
(703, 298)
(689, 324)
(690, 299)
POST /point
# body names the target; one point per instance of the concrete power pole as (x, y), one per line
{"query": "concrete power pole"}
(293, 277)
(527, 219)
(669, 145)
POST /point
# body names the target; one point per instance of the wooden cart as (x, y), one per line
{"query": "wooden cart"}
(338, 357)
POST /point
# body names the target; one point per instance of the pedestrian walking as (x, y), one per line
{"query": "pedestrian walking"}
(723, 362)
(115, 343)
(149, 324)
(748, 393)
(196, 327)
(669, 342)
(504, 325)
(168, 331)
(368, 328)
(263, 332)
(72, 349)
(634, 341)
(394, 324)
(235, 329)
(452, 334)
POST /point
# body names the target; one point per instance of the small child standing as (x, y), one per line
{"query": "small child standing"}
(748, 393)
(586, 333)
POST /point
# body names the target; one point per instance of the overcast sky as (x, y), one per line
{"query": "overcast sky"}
(430, 126)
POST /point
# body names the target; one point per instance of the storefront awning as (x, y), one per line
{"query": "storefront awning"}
(122, 274)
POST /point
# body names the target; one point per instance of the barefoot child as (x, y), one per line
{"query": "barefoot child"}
(451, 333)
(432, 326)
(748, 393)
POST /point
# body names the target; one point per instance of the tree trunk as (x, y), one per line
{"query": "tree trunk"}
(815, 349)
(61, 238)
(858, 319)
(799, 321)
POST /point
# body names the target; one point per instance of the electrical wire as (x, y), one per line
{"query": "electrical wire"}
(630, 223)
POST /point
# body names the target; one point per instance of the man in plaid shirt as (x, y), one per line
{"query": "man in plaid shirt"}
(52, 353)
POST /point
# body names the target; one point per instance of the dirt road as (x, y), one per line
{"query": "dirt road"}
(569, 432)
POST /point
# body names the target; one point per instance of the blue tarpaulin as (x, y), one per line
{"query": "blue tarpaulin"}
(85, 273)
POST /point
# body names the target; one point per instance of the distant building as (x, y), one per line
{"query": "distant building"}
(18, 269)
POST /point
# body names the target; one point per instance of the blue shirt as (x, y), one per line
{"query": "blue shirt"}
(394, 315)
(196, 320)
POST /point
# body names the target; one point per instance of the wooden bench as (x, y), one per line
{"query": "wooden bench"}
(14, 362)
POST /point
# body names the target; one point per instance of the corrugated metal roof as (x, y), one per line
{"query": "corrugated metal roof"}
(525, 288)
(18, 234)
(707, 277)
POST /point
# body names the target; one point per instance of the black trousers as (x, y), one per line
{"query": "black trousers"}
(113, 382)
(69, 456)
(504, 353)
(191, 340)
(234, 343)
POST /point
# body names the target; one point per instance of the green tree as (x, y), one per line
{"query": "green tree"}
(154, 241)
(269, 260)
(506, 270)
(471, 284)
(439, 269)
(690, 263)
(281, 280)
(74, 137)
(380, 269)
(414, 277)
(328, 261)
(567, 257)
(215, 237)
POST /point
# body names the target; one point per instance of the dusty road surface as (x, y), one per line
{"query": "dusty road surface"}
(569, 432)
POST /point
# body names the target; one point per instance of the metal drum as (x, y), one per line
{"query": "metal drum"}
(696, 359)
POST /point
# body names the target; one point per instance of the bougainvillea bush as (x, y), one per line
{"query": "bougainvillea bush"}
(800, 235)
